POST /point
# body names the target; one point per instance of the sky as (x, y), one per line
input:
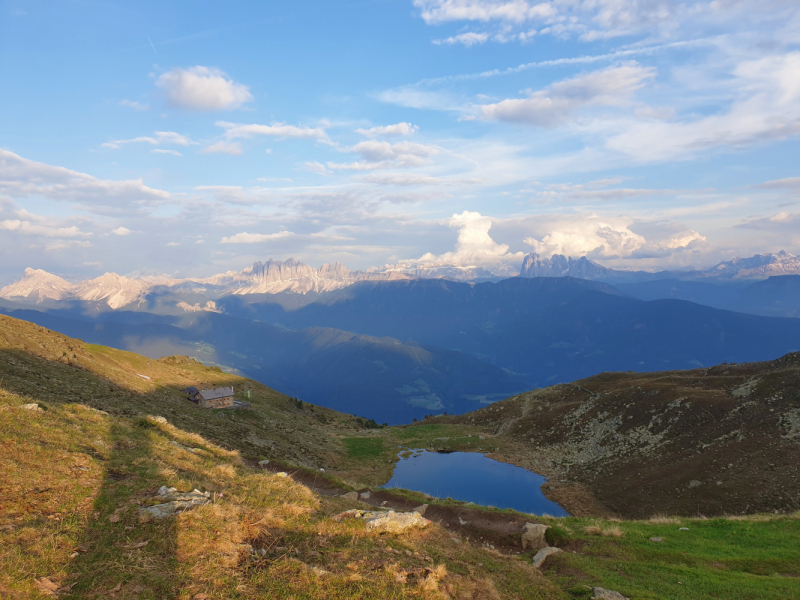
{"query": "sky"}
(192, 138)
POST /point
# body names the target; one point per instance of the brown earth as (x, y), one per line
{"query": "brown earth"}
(721, 440)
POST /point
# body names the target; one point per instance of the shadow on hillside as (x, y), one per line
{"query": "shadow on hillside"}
(120, 554)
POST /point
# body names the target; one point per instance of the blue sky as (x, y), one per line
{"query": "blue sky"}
(193, 138)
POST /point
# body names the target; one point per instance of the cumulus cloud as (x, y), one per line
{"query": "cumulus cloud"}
(254, 238)
(203, 88)
(121, 231)
(552, 106)
(21, 178)
(467, 39)
(160, 138)
(474, 248)
(396, 129)
(605, 237)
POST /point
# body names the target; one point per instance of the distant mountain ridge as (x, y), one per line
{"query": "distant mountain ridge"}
(275, 277)
(760, 266)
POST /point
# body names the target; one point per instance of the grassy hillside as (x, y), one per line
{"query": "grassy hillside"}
(722, 440)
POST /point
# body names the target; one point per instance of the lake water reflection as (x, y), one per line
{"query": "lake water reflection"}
(473, 477)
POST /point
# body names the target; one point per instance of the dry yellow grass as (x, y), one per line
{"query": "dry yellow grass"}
(663, 519)
(614, 531)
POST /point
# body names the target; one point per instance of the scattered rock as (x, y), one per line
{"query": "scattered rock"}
(46, 586)
(161, 420)
(182, 447)
(385, 522)
(421, 509)
(656, 539)
(599, 593)
(541, 555)
(175, 502)
(695, 483)
(319, 572)
(533, 536)
(282, 474)
(683, 529)
(462, 521)
(263, 463)
(364, 495)
(113, 518)
(350, 496)
(32, 406)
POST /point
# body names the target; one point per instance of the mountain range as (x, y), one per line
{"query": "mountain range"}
(275, 277)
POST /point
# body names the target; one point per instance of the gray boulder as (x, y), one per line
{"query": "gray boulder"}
(541, 555)
(350, 496)
(533, 536)
(385, 522)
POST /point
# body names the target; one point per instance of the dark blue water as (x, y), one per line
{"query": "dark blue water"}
(473, 477)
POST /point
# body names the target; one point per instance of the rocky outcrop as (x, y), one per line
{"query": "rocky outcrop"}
(386, 521)
(174, 502)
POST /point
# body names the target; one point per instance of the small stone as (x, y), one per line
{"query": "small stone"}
(282, 474)
(161, 420)
(263, 463)
(683, 529)
(541, 555)
(32, 406)
(113, 518)
(656, 539)
(364, 495)
(599, 593)
(350, 496)
(421, 509)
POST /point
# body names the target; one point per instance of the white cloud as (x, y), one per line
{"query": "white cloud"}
(378, 154)
(161, 137)
(517, 11)
(467, 39)
(20, 177)
(474, 248)
(396, 129)
(165, 151)
(604, 237)
(29, 228)
(203, 88)
(254, 238)
(223, 147)
(766, 107)
(317, 167)
(134, 105)
(237, 131)
(64, 245)
(789, 183)
(552, 106)
(121, 231)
